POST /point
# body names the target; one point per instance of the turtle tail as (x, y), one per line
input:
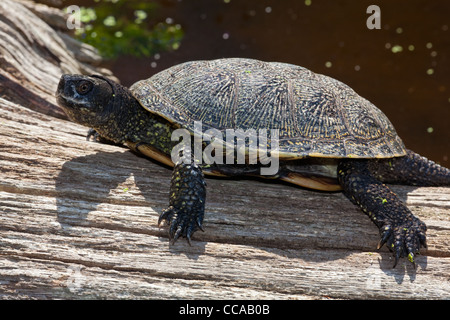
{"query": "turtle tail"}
(412, 169)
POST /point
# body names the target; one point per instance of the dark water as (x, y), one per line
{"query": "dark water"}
(403, 68)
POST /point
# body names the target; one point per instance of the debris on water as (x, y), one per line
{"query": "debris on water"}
(397, 48)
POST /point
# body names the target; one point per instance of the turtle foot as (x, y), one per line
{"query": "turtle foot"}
(181, 223)
(404, 239)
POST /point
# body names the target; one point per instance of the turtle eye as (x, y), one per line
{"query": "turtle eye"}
(84, 87)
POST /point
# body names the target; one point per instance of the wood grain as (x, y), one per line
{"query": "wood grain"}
(79, 220)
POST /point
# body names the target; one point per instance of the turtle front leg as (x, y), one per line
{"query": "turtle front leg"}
(96, 137)
(186, 202)
(399, 228)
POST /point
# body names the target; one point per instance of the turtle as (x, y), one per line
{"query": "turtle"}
(327, 138)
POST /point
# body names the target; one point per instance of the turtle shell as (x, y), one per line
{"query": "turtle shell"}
(317, 116)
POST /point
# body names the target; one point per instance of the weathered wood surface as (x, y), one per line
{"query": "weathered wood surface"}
(79, 220)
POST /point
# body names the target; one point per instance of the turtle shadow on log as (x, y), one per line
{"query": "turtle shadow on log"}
(84, 183)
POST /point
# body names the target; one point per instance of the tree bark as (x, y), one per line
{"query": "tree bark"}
(79, 219)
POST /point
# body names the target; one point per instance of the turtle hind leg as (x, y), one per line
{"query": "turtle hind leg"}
(186, 203)
(412, 169)
(399, 228)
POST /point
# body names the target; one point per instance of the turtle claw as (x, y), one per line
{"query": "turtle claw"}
(166, 215)
(92, 134)
(397, 255)
(199, 224)
(385, 235)
(175, 235)
(180, 224)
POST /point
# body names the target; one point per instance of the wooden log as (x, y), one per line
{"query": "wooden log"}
(79, 220)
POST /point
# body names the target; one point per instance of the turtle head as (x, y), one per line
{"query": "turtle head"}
(87, 100)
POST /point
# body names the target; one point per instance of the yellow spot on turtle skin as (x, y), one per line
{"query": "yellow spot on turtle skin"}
(383, 200)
